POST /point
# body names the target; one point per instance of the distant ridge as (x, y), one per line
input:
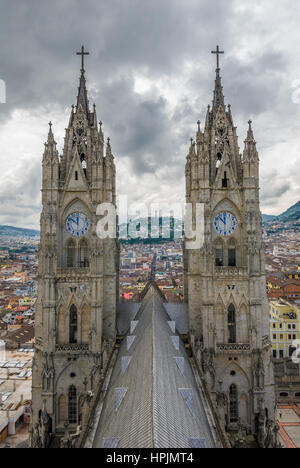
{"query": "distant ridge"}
(291, 214)
(12, 231)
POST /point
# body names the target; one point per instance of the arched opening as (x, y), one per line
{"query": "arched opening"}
(225, 181)
(297, 395)
(62, 409)
(83, 253)
(231, 253)
(233, 404)
(219, 254)
(83, 163)
(231, 324)
(61, 338)
(71, 249)
(72, 405)
(73, 325)
(85, 325)
(283, 394)
(218, 161)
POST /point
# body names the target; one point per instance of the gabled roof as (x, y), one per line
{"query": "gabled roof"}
(153, 400)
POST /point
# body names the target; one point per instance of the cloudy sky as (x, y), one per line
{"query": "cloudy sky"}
(151, 74)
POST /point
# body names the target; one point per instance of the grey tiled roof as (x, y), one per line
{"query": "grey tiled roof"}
(161, 406)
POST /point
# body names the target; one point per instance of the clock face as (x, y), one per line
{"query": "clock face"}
(77, 224)
(225, 223)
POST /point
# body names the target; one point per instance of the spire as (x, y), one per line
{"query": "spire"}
(82, 95)
(250, 136)
(108, 149)
(50, 152)
(218, 98)
(50, 139)
(95, 123)
(82, 92)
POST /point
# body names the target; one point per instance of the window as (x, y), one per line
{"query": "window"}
(225, 181)
(76, 175)
(83, 253)
(289, 337)
(294, 337)
(219, 253)
(274, 325)
(231, 324)
(71, 253)
(281, 337)
(83, 163)
(284, 394)
(274, 353)
(73, 325)
(289, 326)
(231, 253)
(281, 353)
(72, 405)
(233, 404)
(294, 326)
(274, 337)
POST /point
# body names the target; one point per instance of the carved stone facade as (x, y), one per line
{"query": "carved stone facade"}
(78, 279)
(225, 279)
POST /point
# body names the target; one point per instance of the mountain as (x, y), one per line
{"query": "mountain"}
(11, 231)
(291, 214)
(266, 218)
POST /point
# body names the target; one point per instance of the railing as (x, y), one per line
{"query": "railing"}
(77, 269)
(233, 347)
(71, 347)
(231, 271)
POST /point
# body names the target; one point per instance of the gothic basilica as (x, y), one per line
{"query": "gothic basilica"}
(152, 374)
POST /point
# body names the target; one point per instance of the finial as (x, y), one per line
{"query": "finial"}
(100, 123)
(250, 122)
(50, 125)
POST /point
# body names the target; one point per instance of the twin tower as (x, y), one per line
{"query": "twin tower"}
(224, 279)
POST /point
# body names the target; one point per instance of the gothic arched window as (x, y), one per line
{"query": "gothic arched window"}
(231, 253)
(233, 404)
(231, 324)
(72, 405)
(73, 325)
(219, 254)
(83, 253)
(71, 253)
(83, 162)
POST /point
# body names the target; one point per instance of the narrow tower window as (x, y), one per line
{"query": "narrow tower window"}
(72, 405)
(233, 404)
(83, 163)
(73, 325)
(231, 324)
(83, 254)
(71, 253)
(76, 175)
(219, 253)
(225, 180)
(231, 253)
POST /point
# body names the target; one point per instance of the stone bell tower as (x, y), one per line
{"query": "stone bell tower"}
(78, 276)
(225, 283)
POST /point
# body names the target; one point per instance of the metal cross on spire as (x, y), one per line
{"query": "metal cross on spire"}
(82, 53)
(217, 52)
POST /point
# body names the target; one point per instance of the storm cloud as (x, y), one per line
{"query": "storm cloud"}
(151, 74)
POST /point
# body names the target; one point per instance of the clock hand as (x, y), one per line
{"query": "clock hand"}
(221, 219)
